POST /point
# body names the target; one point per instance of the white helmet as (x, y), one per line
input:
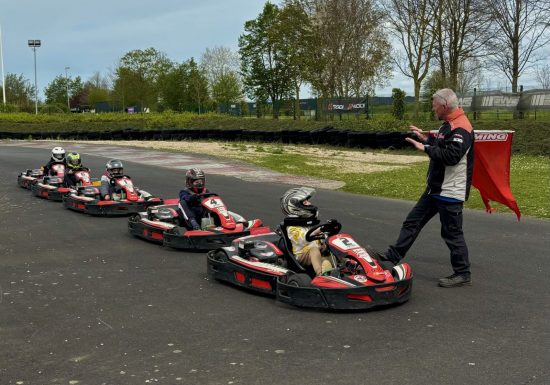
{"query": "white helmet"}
(292, 203)
(58, 154)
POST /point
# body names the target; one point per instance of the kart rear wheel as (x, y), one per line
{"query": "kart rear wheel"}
(299, 280)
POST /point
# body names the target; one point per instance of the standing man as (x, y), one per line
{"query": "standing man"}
(449, 179)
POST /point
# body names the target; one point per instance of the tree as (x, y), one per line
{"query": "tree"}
(220, 65)
(19, 92)
(398, 97)
(184, 88)
(351, 53)
(542, 74)
(136, 79)
(463, 31)
(295, 37)
(198, 86)
(411, 23)
(96, 89)
(218, 62)
(521, 28)
(264, 62)
(226, 90)
(60, 87)
(470, 75)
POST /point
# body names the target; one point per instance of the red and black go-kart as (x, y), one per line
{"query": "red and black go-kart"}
(26, 178)
(164, 225)
(48, 187)
(83, 181)
(131, 200)
(265, 263)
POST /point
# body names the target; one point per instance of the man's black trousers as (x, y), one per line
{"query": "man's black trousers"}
(450, 215)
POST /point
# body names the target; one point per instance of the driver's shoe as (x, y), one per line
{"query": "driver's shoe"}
(456, 280)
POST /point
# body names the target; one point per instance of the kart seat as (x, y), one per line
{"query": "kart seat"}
(286, 245)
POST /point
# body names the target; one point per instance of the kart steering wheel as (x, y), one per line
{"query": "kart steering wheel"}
(329, 228)
(206, 195)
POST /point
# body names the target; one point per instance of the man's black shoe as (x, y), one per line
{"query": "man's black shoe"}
(382, 257)
(455, 280)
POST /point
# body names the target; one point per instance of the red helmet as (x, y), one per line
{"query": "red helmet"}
(195, 180)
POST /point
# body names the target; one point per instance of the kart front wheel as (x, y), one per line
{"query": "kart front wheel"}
(220, 256)
(299, 280)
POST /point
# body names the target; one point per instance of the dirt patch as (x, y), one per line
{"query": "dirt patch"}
(361, 161)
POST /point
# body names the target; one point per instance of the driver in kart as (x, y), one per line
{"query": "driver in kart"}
(113, 169)
(190, 199)
(296, 204)
(74, 164)
(57, 157)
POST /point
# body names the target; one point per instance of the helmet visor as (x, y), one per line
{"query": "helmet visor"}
(117, 171)
(198, 183)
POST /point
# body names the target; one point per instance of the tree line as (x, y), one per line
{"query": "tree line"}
(336, 48)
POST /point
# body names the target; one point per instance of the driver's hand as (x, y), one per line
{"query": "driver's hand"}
(107, 197)
(316, 232)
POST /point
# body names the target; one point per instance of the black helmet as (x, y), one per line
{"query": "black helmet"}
(292, 203)
(195, 180)
(73, 160)
(115, 168)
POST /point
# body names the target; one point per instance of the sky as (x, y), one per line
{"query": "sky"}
(91, 36)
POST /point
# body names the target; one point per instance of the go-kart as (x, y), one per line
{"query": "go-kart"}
(26, 178)
(165, 225)
(83, 181)
(48, 187)
(130, 200)
(265, 263)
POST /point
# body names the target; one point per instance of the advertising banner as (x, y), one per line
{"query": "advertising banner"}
(346, 105)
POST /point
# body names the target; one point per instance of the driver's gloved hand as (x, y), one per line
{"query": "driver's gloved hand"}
(195, 225)
(333, 221)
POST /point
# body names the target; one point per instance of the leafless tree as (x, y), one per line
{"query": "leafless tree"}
(411, 23)
(462, 29)
(521, 28)
(470, 75)
(218, 62)
(542, 74)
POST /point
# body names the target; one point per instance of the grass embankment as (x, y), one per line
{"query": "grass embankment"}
(390, 174)
(531, 137)
(529, 178)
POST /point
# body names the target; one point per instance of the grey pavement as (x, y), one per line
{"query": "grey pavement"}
(82, 302)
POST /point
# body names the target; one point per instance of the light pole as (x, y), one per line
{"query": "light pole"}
(67, 80)
(34, 44)
(3, 77)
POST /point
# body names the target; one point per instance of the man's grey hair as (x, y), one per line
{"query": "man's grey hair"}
(449, 96)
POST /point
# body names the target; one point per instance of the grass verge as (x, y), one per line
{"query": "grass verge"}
(529, 175)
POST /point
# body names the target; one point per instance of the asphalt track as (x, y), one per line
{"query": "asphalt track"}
(82, 302)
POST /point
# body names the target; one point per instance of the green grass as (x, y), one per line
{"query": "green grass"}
(529, 175)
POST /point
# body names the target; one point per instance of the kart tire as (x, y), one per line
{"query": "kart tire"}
(220, 256)
(134, 218)
(299, 280)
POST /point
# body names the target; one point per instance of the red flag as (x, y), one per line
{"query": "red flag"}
(492, 151)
